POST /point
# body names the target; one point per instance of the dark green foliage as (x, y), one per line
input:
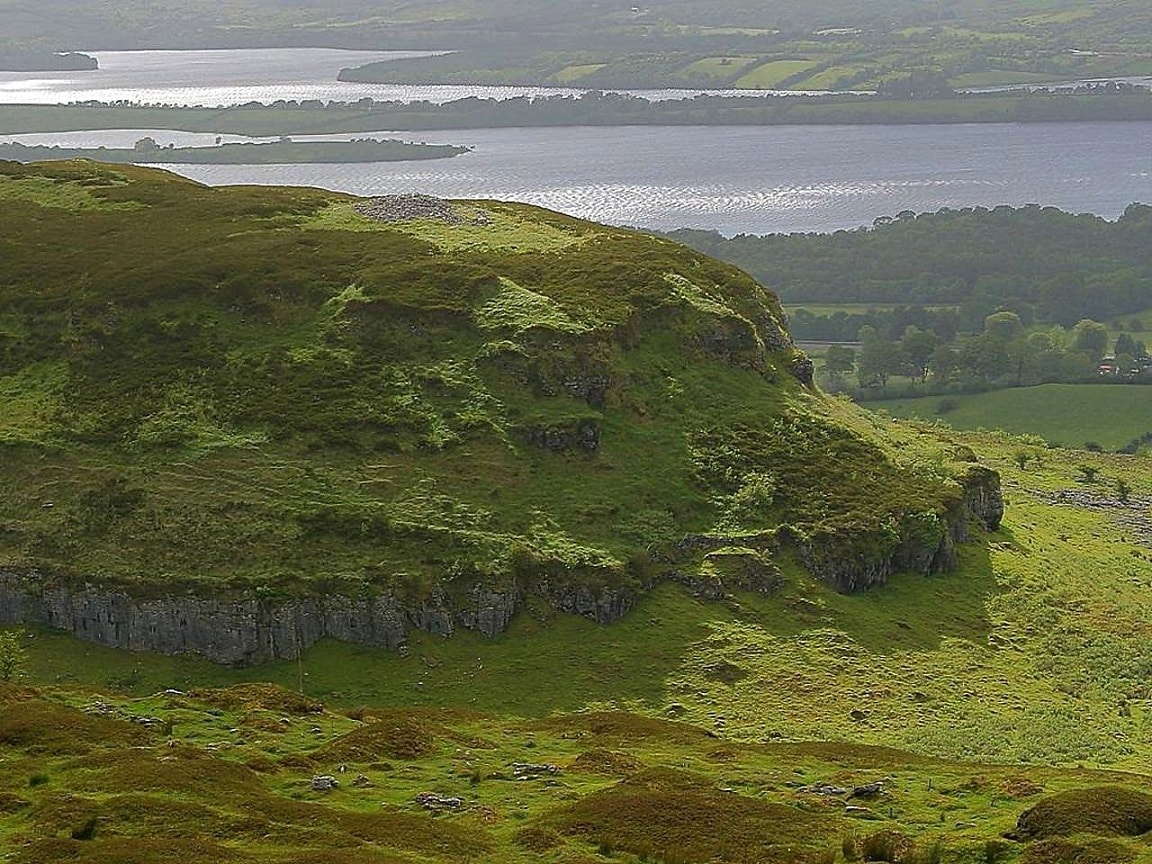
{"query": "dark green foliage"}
(1123, 491)
(1059, 851)
(87, 831)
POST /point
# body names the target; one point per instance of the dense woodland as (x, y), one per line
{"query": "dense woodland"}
(969, 298)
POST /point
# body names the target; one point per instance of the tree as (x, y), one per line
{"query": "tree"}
(1090, 337)
(879, 359)
(945, 361)
(918, 346)
(1021, 354)
(12, 653)
(1123, 491)
(1125, 344)
(838, 362)
(1003, 325)
(985, 356)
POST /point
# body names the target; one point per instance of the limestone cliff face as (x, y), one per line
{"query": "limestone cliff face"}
(921, 543)
(244, 629)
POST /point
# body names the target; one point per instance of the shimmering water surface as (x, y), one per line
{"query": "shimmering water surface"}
(234, 77)
(734, 179)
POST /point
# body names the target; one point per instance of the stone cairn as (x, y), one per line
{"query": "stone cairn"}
(401, 208)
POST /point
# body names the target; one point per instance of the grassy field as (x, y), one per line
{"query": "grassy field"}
(1065, 414)
(772, 74)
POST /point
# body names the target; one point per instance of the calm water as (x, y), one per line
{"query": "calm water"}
(740, 179)
(234, 77)
(734, 179)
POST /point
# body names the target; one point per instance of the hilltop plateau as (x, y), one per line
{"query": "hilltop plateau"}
(239, 420)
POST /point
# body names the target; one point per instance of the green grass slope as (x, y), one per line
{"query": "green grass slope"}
(1062, 414)
(266, 390)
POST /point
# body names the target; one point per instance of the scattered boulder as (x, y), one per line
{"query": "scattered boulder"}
(323, 783)
(868, 790)
(435, 803)
(402, 208)
(823, 789)
(531, 771)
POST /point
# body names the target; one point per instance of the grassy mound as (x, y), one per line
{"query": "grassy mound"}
(259, 696)
(1100, 810)
(675, 815)
(46, 729)
(395, 735)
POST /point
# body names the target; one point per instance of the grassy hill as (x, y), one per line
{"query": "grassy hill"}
(273, 396)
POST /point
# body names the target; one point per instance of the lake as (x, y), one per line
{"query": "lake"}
(235, 76)
(734, 179)
(739, 179)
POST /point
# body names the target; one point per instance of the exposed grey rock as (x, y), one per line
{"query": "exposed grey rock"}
(579, 435)
(401, 208)
(243, 628)
(436, 803)
(323, 783)
(868, 790)
(533, 771)
(802, 369)
(823, 789)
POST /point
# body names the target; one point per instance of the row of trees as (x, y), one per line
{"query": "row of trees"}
(1003, 353)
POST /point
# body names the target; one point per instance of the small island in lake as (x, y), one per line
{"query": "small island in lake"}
(45, 61)
(283, 152)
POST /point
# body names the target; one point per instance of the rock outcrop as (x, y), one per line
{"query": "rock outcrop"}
(244, 629)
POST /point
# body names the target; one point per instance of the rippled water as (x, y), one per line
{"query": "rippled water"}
(742, 179)
(234, 77)
(734, 179)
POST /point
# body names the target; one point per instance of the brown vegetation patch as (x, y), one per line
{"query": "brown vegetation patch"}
(56, 730)
(358, 855)
(624, 726)
(1019, 787)
(182, 770)
(1099, 810)
(862, 756)
(536, 839)
(1057, 851)
(415, 832)
(11, 803)
(607, 762)
(663, 812)
(128, 850)
(259, 696)
(395, 735)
